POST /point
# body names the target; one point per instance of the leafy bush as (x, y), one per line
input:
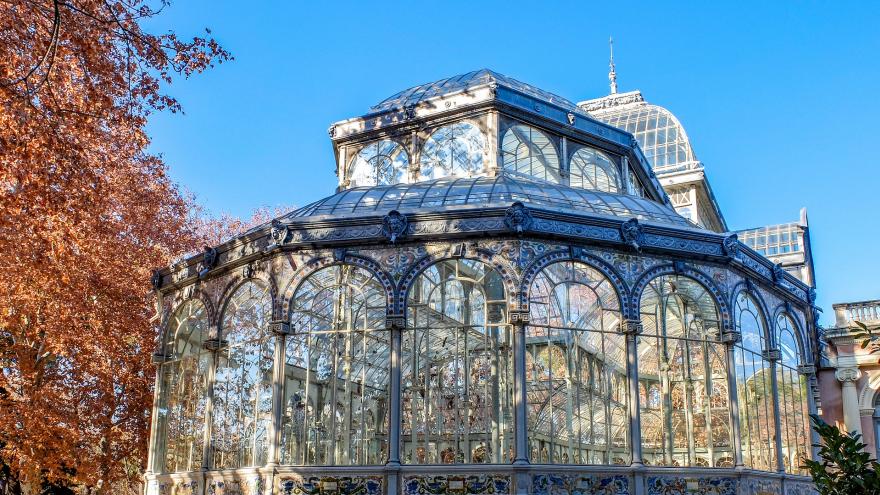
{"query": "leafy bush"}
(844, 467)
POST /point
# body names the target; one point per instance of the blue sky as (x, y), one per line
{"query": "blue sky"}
(780, 99)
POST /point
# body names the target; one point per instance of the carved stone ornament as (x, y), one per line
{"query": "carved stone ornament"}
(812, 295)
(213, 344)
(730, 246)
(394, 226)
(156, 279)
(778, 273)
(518, 218)
(247, 271)
(570, 117)
(409, 112)
(209, 260)
(278, 232)
(848, 374)
(160, 357)
(631, 232)
(806, 369)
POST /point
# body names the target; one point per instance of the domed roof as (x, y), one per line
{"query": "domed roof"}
(451, 193)
(417, 94)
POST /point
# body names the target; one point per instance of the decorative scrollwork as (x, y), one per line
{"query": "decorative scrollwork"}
(209, 260)
(631, 233)
(278, 232)
(394, 226)
(518, 218)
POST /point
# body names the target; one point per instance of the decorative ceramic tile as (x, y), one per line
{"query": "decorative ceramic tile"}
(676, 485)
(253, 486)
(460, 485)
(576, 484)
(799, 488)
(330, 485)
(761, 486)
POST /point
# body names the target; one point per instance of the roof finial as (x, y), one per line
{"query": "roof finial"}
(612, 76)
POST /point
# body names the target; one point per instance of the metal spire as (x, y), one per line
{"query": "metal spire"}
(612, 76)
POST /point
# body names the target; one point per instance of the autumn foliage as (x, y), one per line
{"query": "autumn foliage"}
(85, 213)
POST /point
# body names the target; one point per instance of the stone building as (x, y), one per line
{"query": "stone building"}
(500, 297)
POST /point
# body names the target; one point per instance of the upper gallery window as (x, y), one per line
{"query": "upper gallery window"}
(591, 169)
(380, 163)
(453, 150)
(530, 152)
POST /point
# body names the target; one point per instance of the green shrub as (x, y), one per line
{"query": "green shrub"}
(844, 467)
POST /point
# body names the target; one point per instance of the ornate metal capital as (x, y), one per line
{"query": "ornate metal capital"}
(630, 327)
(807, 369)
(845, 375)
(518, 218)
(772, 355)
(631, 233)
(518, 317)
(394, 226)
(395, 322)
(280, 327)
(731, 337)
(213, 344)
(160, 357)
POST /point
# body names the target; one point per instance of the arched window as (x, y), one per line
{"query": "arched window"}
(574, 342)
(591, 169)
(453, 150)
(380, 163)
(336, 373)
(457, 367)
(184, 386)
(682, 359)
(754, 385)
(794, 409)
(243, 380)
(527, 151)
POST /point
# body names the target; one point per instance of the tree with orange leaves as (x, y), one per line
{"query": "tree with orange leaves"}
(85, 213)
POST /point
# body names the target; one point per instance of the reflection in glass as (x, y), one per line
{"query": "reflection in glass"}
(794, 416)
(453, 150)
(380, 163)
(457, 368)
(576, 389)
(754, 386)
(591, 169)
(685, 415)
(336, 373)
(184, 384)
(528, 151)
(242, 408)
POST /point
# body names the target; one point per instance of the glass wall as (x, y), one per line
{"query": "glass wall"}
(576, 390)
(591, 169)
(380, 163)
(453, 150)
(457, 367)
(794, 408)
(529, 152)
(457, 378)
(754, 386)
(336, 373)
(684, 402)
(184, 384)
(242, 408)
